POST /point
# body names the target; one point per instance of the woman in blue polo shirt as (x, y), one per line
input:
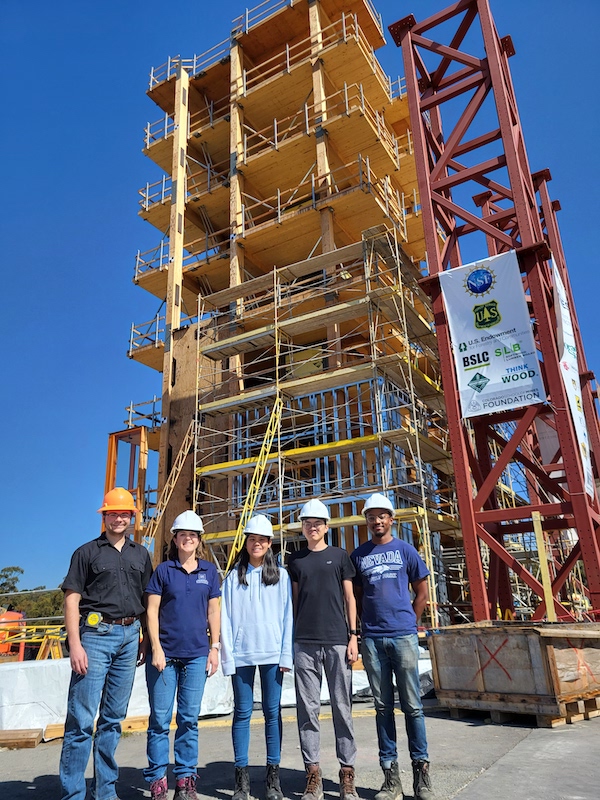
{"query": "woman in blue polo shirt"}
(256, 631)
(182, 600)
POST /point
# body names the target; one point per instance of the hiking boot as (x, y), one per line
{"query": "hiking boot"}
(242, 784)
(272, 783)
(185, 788)
(314, 783)
(159, 789)
(421, 781)
(347, 789)
(391, 788)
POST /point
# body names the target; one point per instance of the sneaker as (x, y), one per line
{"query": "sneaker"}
(422, 781)
(391, 788)
(158, 789)
(347, 789)
(242, 784)
(314, 783)
(185, 788)
(272, 783)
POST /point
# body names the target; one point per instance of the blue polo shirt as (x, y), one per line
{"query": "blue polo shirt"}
(182, 616)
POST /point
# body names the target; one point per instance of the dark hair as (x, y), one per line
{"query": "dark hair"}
(173, 553)
(270, 567)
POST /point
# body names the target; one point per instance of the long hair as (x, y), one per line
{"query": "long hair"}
(270, 568)
(173, 554)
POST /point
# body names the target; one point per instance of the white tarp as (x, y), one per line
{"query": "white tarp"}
(33, 694)
(495, 356)
(569, 370)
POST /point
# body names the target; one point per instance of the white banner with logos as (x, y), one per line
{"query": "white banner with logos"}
(569, 370)
(496, 361)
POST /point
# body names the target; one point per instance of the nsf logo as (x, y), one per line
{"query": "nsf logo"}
(480, 281)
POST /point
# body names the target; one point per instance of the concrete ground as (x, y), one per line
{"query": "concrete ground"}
(471, 759)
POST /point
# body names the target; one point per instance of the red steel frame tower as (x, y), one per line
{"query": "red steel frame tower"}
(474, 178)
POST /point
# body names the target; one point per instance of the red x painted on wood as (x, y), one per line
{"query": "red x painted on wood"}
(582, 665)
(492, 657)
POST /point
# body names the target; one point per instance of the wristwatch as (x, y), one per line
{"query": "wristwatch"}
(353, 633)
(215, 645)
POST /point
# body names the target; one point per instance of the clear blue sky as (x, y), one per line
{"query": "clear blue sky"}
(73, 77)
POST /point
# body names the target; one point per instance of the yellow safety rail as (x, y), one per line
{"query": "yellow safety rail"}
(257, 479)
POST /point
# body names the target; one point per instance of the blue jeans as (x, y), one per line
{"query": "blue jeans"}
(271, 678)
(112, 654)
(186, 677)
(399, 656)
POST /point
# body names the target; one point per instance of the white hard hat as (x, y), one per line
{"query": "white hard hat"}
(188, 521)
(315, 508)
(378, 500)
(259, 525)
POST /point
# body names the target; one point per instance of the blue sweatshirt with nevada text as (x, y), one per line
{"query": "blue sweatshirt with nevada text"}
(256, 621)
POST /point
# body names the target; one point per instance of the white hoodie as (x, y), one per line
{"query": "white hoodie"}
(256, 621)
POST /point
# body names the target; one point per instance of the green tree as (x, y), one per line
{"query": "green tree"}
(9, 579)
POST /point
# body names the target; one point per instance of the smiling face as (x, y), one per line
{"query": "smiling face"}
(116, 522)
(186, 543)
(314, 531)
(257, 546)
(379, 523)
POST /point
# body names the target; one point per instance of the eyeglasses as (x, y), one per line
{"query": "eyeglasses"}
(378, 517)
(313, 523)
(119, 514)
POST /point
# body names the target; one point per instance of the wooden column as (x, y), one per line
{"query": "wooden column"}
(323, 183)
(174, 283)
(236, 202)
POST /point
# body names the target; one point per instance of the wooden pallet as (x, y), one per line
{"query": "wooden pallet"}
(29, 737)
(575, 711)
(129, 725)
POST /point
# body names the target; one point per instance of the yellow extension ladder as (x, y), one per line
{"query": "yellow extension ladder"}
(257, 479)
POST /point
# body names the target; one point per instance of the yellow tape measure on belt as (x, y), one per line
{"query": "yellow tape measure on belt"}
(93, 619)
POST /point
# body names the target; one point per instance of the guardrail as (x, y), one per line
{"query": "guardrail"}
(148, 413)
(194, 65)
(151, 333)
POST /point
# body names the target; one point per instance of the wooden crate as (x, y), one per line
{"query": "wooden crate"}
(526, 668)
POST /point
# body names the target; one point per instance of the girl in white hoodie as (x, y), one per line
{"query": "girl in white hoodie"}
(256, 631)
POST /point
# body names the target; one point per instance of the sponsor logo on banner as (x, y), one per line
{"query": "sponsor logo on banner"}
(487, 315)
(495, 356)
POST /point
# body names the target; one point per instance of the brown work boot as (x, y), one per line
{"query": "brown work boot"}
(347, 789)
(185, 788)
(314, 783)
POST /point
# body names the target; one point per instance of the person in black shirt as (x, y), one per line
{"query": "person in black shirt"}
(103, 605)
(324, 607)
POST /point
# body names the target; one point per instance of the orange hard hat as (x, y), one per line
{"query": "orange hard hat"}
(118, 499)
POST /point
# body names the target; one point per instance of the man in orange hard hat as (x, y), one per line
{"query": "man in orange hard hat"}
(103, 609)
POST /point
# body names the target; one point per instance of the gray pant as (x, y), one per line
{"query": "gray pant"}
(309, 662)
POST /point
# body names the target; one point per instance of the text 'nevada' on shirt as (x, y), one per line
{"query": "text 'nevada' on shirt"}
(385, 572)
(111, 582)
(320, 615)
(183, 611)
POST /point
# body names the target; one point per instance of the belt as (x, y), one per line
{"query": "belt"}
(120, 621)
